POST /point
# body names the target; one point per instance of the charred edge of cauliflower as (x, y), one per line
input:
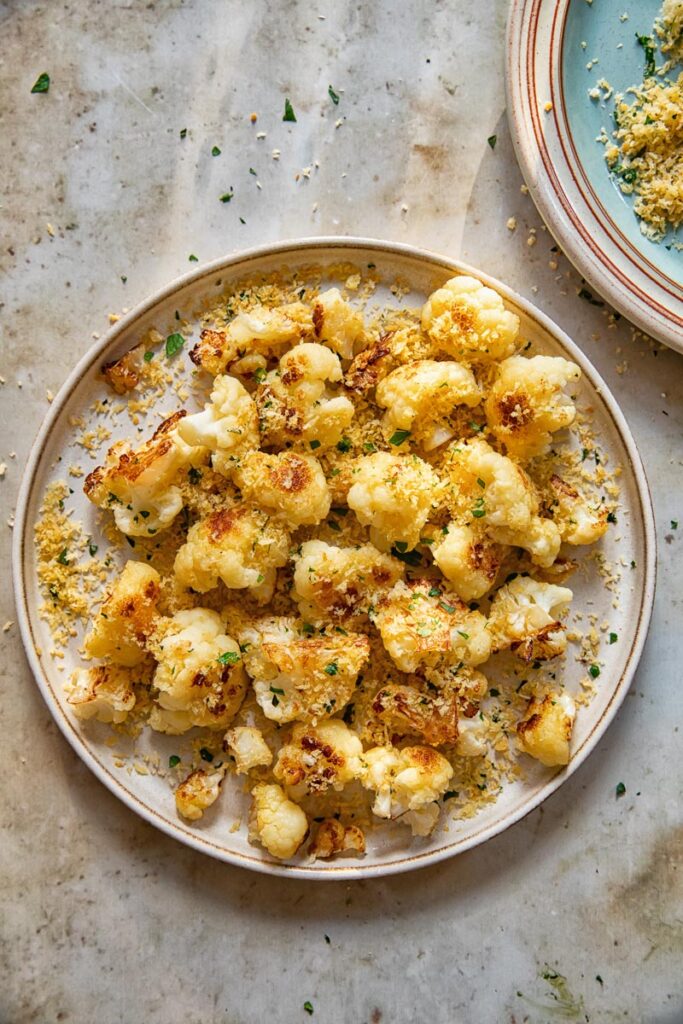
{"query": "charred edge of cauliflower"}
(276, 822)
(526, 404)
(523, 617)
(407, 710)
(332, 837)
(468, 560)
(124, 374)
(545, 731)
(260, 330)
(370, 365)
(127, 617)
(292, 485)
(198, 792)
(342, 583)
(103, 692)
(318, 758)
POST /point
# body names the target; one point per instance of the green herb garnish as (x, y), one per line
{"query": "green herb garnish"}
(332, 668)
(620, 789)
(594, 671)
(205, 754)
(344, 445)
(61, 557)
(227, 196)
(42, 83)
(333, 95)
(174, 343)
(289, 115)
(492, 140)
(228, 658)
(398, 437)
(173, 760)
(215, 151)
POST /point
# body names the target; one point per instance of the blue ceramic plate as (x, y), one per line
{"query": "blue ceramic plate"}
(551, 68)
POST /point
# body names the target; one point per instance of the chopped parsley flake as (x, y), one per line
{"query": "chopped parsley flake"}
(314, 445)
(344, 445)
(611, 518)
(227, 196)
(276, 689)
(192, 258)
(434, 592)
(215, 151)
(333, 95)
(183, 133)
(369, 447)
(450, 608)
(228, 658)
(398, 437)
(332, 668)
(308, 1005)
(173, 760)
(42, 83)
(289, 115)
(621, 789)
(174, 343)
(92, 549)
(492, 140)
(594, 671)
(148, 356)
(613, 638)
(674, 524)
(61, 557)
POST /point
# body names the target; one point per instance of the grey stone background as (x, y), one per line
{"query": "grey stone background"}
(101, 917)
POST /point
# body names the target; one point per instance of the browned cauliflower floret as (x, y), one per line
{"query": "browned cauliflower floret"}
(260, 331)
(317, 758)
(333, 837)
(393, 494)
(104, 693)
(423, 397)
(199, 790)
(577, 520)
(341, 583)
(526, 403)
(546, 729)
(199, 676)
(468, 559)
(409, 711)
(337, 324)
(295, 405)
(276, 822)
(126, 619)
(370, 365)
(241, 546)
(248, 747)
(407, 783)
(468, 321)
(420, 625)
(124, 373)
(297, 676)
(294, 486)
(139, 485)
(493, 491)
(228, 425)
(524, 617)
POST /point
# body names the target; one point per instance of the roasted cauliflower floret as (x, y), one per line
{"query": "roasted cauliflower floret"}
(419, 625)
(199, 790)
(139, 486)
(260, 331)
(301, 676)
(493, 491)
(471, 740)
(406, 784)
(227, 426)
(318, 758)
(199, 676)
(341, 583)
(337, 324)
(294, 486)
(242, 546)
(423, 397)
(124, 374)
(524, 617)
(103, 692)
(295, 404)
(468, 559)
(333, 837)
(248, 747)
(370, 365)
(546, 729)
(526, 403)
(578, 522)
(409, 711)
(468, 321)
(393, 494)
(276, 822)
(126, 619)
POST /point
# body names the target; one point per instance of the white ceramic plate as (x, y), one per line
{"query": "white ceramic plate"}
(564, 166)
(390, 848)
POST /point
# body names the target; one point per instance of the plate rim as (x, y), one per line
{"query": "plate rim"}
(340, 870)
(549, 194)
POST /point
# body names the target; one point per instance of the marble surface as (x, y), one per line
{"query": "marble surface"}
(103, 918)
